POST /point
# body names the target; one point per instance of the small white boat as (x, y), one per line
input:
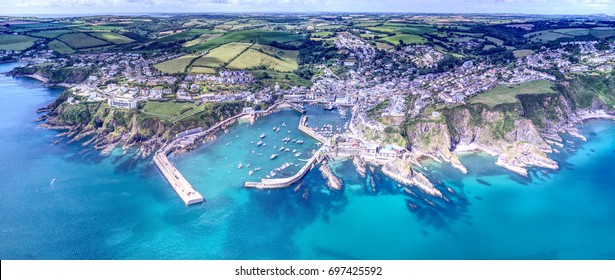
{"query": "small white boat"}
(281, 148)
(239, 166)
(263, 135)
(250, 172)
(283, 124)
(287, 150)
(297, 154)
(273, 156)
(259, 143)
(257, 169)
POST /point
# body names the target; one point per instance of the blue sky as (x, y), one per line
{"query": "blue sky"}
(443, 6)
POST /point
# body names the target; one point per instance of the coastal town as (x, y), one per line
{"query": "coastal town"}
(383, 88)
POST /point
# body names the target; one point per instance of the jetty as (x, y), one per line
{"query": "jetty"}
(278, 183)
(309, 131)
(181, 186)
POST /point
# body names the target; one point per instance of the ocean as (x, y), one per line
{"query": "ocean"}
(65, 201)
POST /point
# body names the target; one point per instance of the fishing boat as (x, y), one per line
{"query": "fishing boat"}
(263, 135)
(273, 156)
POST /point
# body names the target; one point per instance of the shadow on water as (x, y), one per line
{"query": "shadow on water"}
(483, 182)
(330, 254)
(281, 214)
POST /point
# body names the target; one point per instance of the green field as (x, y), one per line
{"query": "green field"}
(275, 52)
(167, 110)
(504, 94)
(494, 40)
(36, 26)
(603, 32)
(101, 27)
(221, 55)
(406, 38)
(203, 70)
(81, 40)
(50, 34)
(262, 36)
(546, 36)
(176, 65)
(522, 53)
(201, 39)
(16, 42)
(252, 59)
(112, 37)
(573, 31)
(322, 34)
(60, 47)
(416, 29)
(186, 35)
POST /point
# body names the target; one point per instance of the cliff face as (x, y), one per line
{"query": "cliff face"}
(110, 126)
(500, 132)
(433, 139)
(69, 75)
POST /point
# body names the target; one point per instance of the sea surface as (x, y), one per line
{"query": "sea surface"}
(65, 201)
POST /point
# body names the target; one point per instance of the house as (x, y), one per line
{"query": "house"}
(123, 102)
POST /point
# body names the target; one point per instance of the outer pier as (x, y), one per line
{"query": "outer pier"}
(181, 186)
(285, 182)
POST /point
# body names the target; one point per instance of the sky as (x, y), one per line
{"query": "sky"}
(29, 7)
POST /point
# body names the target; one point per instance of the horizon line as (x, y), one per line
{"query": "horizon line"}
(299, 13)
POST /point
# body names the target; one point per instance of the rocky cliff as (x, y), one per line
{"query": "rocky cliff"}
(110, 127)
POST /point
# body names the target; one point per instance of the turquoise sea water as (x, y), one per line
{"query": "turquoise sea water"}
(64, 201)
